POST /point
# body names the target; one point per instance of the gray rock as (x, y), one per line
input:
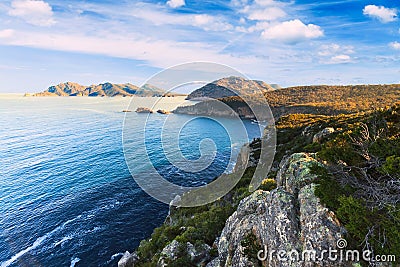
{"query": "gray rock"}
(213, 263)
(318, 137)
(128, 259)
(198, 255)
(295, 171)
(289, 218)
(143, 110)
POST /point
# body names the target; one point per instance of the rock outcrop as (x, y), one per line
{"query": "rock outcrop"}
(163, 111)
(143, 110)
(198, 255)
(128, 259)
(318, 137)
(289, 218)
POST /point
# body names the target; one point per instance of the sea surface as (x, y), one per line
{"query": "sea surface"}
(67, 197)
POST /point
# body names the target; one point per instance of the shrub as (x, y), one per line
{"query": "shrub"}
(268, 184)
(251, 247)
(391, 165)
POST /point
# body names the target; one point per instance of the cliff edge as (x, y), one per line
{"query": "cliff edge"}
(289, 218)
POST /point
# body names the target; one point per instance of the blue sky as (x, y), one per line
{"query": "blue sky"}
(45, 42)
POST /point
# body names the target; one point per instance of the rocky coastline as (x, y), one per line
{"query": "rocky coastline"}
(289, 217)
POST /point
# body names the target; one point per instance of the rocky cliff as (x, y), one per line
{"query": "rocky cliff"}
(289, 218)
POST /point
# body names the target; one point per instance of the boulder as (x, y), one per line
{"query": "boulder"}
(295, 171)
(289, 218)
(199, 255)
(128, 259)
(318, 137)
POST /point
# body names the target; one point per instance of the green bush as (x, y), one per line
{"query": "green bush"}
(391, 165)
(268, 184)
(381, 227)
(251, 247)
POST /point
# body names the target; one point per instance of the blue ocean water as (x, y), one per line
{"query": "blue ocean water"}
(67, 197)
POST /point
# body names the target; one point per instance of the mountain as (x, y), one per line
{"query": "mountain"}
(231, 86)
(317, 99)
(65, 89)
(104, 89)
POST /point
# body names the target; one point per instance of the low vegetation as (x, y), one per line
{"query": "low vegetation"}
(324, 99)
(199, 225)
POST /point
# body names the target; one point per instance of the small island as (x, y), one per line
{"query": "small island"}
(163, 111)
(143, 110)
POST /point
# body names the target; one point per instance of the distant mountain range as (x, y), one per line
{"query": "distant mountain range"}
(232, 86)
(104, 89)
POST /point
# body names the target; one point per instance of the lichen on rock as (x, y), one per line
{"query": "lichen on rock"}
(198, 255)
(318, 137)
(289, 218)
(128, 259)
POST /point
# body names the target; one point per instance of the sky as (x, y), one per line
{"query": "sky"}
(298, 42)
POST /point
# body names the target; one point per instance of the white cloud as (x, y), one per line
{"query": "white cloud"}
(265, 2)
(269, 14)
(292, 31)
(264, 10)
(7, 33)
(395, 45)
(208, 23)
(259, 26)
(381, 13)
(176, 3)
(203, 21)
(340, 59)
(333, 49)
(35, 12)
(157, 52)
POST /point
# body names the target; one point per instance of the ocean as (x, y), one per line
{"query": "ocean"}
(67, 197)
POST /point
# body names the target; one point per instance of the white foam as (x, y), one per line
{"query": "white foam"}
(74, 261)
(116, 255)
(35, 244)
(65, 238)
